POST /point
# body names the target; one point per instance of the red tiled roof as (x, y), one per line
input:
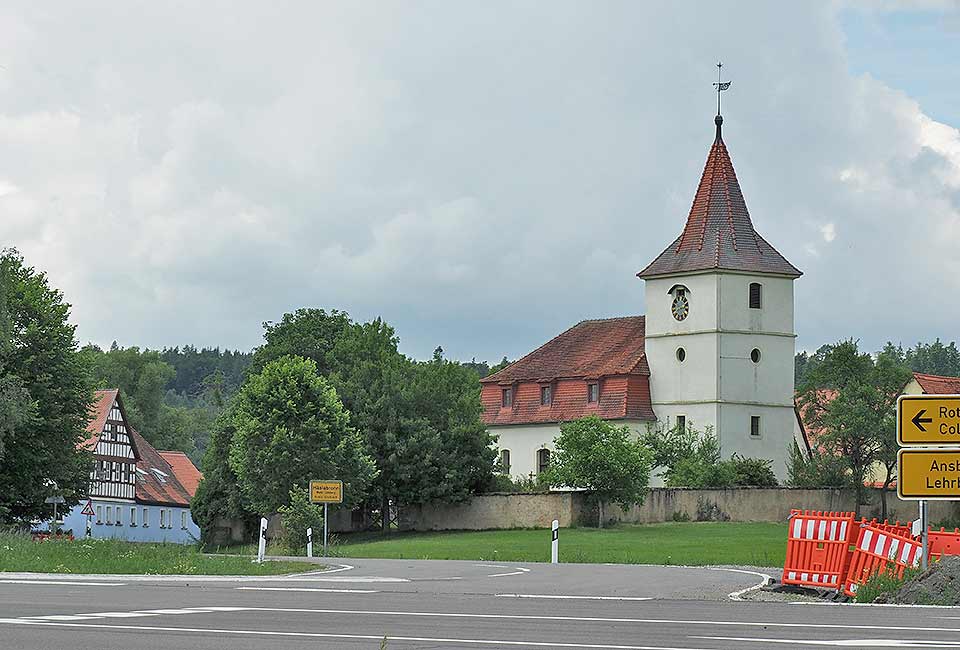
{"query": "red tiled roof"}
(184, 469)
(589, 349)
(938, 384)
(99, 411)
(163, 488)
(719, 233)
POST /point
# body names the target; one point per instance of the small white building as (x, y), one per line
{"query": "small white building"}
(715, 349)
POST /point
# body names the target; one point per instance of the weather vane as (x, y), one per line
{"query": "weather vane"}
(720, 85)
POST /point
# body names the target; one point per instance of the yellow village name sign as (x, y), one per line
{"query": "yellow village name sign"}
(928, 420)
(925, 473)
(326, 491)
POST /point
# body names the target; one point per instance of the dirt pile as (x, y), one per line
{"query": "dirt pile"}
(938, 585)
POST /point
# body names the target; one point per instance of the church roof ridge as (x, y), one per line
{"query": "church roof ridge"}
(719, 233)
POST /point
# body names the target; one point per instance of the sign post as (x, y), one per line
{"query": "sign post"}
(262, 547)
(555, 544)
(88, 513)
(326, 492)
(55, 500)
(928, 463)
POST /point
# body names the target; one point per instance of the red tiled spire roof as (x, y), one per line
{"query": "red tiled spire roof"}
(719, 233)
(938, 384)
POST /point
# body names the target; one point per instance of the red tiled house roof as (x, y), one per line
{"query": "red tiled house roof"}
(609, 351)
(184, 469)
(719, 233)
(938, 384)
(99, 410)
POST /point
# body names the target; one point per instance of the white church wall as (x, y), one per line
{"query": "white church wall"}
(776, 434)
(775, 313)
(702, 293)
(693, 379)
(769, 381)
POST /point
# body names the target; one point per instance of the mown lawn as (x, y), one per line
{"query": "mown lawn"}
(752, 543)
(19, 553)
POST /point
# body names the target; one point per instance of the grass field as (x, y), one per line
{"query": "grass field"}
(19, 553)
(757, 544)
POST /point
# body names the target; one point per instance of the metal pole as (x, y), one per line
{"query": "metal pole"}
(555, 544)
(325, 530)
(925, 525)
(54, 517)
(310, 542)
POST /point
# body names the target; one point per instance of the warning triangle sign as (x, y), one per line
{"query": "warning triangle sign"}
(87, 509)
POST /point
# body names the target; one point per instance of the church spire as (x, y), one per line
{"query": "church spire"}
(720, 86)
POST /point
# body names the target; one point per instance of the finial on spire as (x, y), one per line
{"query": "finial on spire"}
(720, 86)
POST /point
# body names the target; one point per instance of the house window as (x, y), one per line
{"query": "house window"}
(183, 519)
(163, 520)
(119, 521)
(133, 517)
(593, 392)
(681, 423)
(99, 514)
(754, 426)
(756, 293)
(543, 460)
(506, 398)
(146, 517)
(109, 515)
(505, 461)
(545, 396)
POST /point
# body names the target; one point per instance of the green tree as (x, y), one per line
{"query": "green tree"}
(851, 397)
(821, 468)
(290, 427)
(299, 515)
(309, 333)
(593, 454)
(43, 383)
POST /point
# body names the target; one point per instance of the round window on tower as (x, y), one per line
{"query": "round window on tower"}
(681, 354)
(755, 355)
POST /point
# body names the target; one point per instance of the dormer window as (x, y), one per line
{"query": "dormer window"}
(756, 295)
(546, 396)
(593, 393)
(506, 398)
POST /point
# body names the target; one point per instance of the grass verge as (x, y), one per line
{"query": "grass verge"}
(744, 543)
(882, 586)
(19, 553)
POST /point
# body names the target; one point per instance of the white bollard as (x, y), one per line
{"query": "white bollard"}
(555, 544)
(310, 542)
(262, 548)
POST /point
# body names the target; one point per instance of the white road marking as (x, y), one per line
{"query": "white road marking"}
(353, 579)
(118, 614)
(844, 643)
(326, 591)
(72, 583)
(905, 606)
(340, 567)
(519, 570)
(737, 595)
(62, 617)
(492, 566)
(574, 597)
(365, 637)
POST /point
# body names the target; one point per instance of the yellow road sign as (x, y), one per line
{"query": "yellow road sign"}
(928, 473)
(928, 420)
(326, 491)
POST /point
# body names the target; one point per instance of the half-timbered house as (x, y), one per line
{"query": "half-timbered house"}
(136, 492)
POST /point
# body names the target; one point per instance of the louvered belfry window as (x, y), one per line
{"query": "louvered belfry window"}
(756, 293)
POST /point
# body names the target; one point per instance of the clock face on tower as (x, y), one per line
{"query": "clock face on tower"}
(681, 305)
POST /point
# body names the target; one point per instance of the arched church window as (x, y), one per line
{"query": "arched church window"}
(543, 460)
(681, 355)
(755, 355)
(756, 295)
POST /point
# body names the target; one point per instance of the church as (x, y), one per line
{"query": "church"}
(715, 349)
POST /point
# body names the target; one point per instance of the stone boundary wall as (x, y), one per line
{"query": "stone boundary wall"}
(501, 510)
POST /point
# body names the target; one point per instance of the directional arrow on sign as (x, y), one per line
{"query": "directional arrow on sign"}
(919, 421)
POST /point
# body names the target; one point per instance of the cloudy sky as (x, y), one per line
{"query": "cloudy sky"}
(481, 175)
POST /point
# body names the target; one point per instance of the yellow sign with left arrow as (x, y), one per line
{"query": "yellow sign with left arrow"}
(928, 420)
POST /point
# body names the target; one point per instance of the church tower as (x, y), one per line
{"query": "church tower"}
(719, 323)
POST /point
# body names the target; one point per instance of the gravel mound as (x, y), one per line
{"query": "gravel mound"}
(938, 585)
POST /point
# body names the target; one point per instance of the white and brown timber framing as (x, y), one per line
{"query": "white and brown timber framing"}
(115, 455)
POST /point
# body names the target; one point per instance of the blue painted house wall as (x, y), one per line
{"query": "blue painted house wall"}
(179, 527)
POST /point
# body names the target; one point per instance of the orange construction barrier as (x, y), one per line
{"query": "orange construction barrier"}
(818, 548)
(903, 530)
(880, 551)
(943, 542)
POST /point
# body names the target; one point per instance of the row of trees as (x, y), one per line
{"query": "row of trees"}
(329, 398)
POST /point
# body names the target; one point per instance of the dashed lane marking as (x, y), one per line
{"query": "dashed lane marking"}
(565, 597)
(72, 583)
(365, 637)
(326, 591)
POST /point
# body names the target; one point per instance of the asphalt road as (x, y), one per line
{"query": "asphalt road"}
(418, 604)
